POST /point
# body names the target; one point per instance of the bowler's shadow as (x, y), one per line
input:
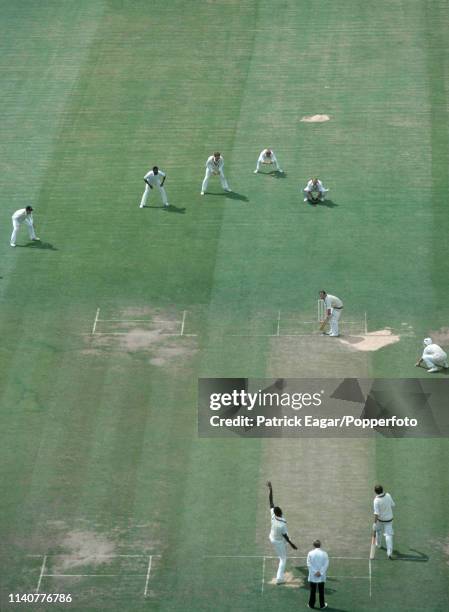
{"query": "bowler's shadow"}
(39, 244)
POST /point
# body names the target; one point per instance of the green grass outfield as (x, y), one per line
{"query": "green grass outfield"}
(107, 491)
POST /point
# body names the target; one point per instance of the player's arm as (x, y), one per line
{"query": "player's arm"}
(419, 362)
(163, 180)
(287, 539)
(270, 495)
(147, 182)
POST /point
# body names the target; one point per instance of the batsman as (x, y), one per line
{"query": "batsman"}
(329, 312)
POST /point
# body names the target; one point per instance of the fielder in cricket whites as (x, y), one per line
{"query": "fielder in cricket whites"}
(279, 536)
(154, 178)
(383, 518)
(333, 307)
(433, 356)
(267, 157)
(23, 215)
(315, 191)
(214, 167)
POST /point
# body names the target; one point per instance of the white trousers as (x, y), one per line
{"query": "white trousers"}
(335, 316)
(146, 193)
(273, 163)
(281, 551)
(16, 225)
(209, 173)
(435, 362)
(313, 192)
(385, 529)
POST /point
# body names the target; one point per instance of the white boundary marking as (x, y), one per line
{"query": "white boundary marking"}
(184, 313)
(96, 321)
(263, 574)
(44, 561)
(148, 576)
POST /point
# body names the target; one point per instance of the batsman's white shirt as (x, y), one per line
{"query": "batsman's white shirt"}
(278, 528)
(154, 179)
(332, 301)
(215, 166)
(435, 352)
(383, 507)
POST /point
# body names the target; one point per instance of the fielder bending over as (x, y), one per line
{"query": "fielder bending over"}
(23, 215)
(267, 157)
(214, 167)
(433, 356)
(315, 191)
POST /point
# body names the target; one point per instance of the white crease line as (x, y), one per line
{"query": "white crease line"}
(183, 321)
(370, 579)
(275, 557)
(96, 321)
(263, 574)
(148, 576)
(41, 574)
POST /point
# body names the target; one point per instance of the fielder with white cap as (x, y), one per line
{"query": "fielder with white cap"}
(383, 519)
(279, 536)
(214, 167)
(333, 306)
(433, 356)
(267, 157)
(23, 215)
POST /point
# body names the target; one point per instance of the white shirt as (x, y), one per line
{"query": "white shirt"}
(264, 158)
(383, 507)
(317, 561)
(332, 301)
(317, 187)
(433, 350)
(278, 527)
(21, 215)
(215, 166)
(154, 179)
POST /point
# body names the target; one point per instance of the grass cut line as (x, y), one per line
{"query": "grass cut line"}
(148, 575)
(44, 561)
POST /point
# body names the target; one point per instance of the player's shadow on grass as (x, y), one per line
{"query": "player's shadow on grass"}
(274, 174)
(326, 203)
(417, 557)
(44, 246)
(231, 195)
(175, 209)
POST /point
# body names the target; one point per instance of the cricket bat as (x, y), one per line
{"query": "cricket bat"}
(323, 325)
(372, 551)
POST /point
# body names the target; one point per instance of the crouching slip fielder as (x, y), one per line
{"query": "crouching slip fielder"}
(315, 191)
(383, 519)
(333, 306)
(23, 215)
(267, 157)
(154, 178)
(214, 166)
(279, 536)
(433, 356)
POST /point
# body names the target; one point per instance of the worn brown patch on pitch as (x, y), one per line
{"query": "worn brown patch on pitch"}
(291, 581)
(84, 547)
(371, 341)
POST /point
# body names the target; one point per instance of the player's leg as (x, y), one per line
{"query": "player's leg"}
(257, 167)
(224, 182)
(307, 195)
(335, 316)
(163, 195)
(379, 532)
(312, 598)
(321, 594)
(431, 364)
(388, 532)
(145, 195)
(205, 181)
(15, 225)
(281, 551)
(31, 232)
